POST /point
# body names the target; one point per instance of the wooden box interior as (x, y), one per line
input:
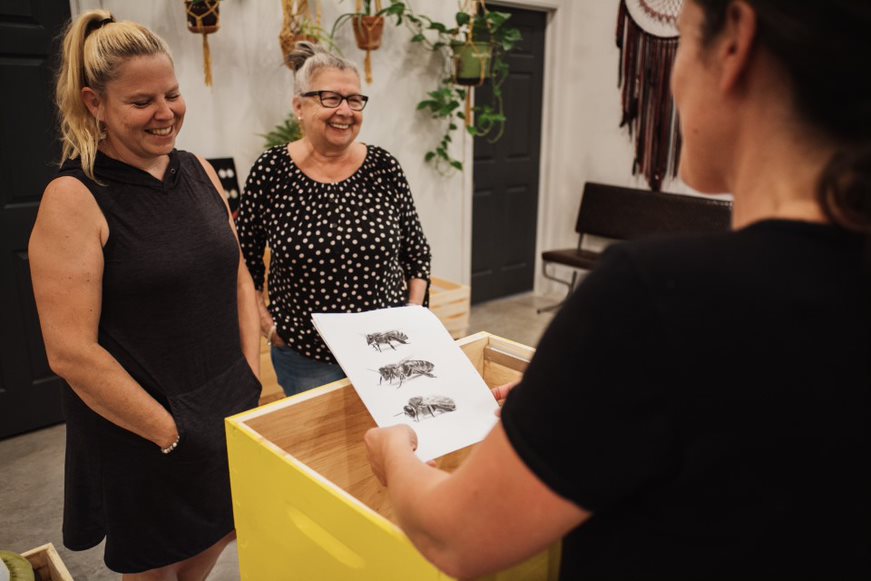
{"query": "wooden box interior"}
(326, 432)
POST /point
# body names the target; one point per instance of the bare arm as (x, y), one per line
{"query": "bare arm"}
(491, 513)
(66, 261)
(246, 296)
(416, 290)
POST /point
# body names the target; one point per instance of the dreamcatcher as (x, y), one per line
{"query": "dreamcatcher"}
(647, 36)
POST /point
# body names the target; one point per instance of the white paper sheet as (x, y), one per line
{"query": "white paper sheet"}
(407, 369)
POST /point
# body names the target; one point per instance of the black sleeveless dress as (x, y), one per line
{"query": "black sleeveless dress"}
(169, 316)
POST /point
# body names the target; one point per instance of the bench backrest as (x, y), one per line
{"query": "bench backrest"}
(629, 213)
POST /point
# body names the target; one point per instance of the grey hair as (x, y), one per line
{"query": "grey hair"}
(307, 58)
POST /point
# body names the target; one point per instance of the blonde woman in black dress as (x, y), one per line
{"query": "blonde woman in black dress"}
(338, 217)
(146, 309)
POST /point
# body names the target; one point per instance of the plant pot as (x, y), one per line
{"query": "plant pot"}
(368, 31)
(471, 62)
(203, 17)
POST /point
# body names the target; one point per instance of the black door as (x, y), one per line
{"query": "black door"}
(505, 198)
(29, 391)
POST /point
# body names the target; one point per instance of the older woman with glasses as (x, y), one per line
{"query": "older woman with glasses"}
(338, 217)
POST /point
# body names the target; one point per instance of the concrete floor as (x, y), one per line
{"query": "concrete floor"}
(31, 465)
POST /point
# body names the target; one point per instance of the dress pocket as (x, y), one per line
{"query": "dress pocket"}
(199, 414)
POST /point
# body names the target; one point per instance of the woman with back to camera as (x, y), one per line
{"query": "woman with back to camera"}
(146, 308)
(700, 407)
(339, 220)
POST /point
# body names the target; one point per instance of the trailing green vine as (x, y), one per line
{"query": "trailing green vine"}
(448, 102)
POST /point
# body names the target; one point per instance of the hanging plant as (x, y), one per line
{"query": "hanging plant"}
(204, 17)
(477, 46)
(471, 62)
(300, 24)
(473, 51)
(367, 22)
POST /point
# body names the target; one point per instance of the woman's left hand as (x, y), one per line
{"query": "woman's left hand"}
(382, 442)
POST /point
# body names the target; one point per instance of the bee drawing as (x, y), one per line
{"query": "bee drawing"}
(431, 405)
(404, 370)
(377, 340)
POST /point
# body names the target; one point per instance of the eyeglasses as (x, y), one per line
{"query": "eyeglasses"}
(331, 99)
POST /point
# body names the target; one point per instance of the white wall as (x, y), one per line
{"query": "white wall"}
(251, 93)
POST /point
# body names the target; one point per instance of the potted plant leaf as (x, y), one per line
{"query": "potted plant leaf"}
(285, 132)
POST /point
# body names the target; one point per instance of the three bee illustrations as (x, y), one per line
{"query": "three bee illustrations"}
(407, 369)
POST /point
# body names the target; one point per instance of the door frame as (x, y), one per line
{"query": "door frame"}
(553, 34)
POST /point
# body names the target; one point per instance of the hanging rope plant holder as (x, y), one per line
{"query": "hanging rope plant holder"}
(204, 17)
(368, 32)
(471, 58)
(647, 37)
(298, 24)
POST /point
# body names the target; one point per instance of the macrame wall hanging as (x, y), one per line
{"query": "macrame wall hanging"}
(647, 37)
(204, 17)
(299, 24)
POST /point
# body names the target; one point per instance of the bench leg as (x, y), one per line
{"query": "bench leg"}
(570, 284)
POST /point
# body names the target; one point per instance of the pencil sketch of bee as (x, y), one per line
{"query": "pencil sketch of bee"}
(405, 370)
(377, 340)
(431, 405)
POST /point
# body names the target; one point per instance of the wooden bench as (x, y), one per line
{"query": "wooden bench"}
(619, 213)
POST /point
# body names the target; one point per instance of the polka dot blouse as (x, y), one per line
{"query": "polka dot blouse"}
(344, 247)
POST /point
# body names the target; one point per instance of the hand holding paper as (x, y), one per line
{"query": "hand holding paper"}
(407, 369)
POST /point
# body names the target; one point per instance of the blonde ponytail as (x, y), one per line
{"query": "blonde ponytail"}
(94, 47)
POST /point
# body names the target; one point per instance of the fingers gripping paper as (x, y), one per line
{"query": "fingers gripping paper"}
(407, 369)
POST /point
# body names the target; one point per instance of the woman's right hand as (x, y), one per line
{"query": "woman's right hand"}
(267, 323)
(272, 336)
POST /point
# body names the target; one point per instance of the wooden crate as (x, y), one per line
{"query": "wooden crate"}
(450, 302)
(47, 562)
(305, 500)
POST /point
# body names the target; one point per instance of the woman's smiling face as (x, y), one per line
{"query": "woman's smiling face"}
(334, 129)
(142, 109)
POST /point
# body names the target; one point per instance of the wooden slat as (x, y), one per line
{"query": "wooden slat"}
(47, 563)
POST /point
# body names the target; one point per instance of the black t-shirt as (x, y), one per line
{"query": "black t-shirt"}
(707, 399)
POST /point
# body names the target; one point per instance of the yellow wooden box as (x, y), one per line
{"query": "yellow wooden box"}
(306, 503)
(47, 562)
(450, 302)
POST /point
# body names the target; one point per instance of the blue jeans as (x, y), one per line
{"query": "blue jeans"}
(297, 373)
